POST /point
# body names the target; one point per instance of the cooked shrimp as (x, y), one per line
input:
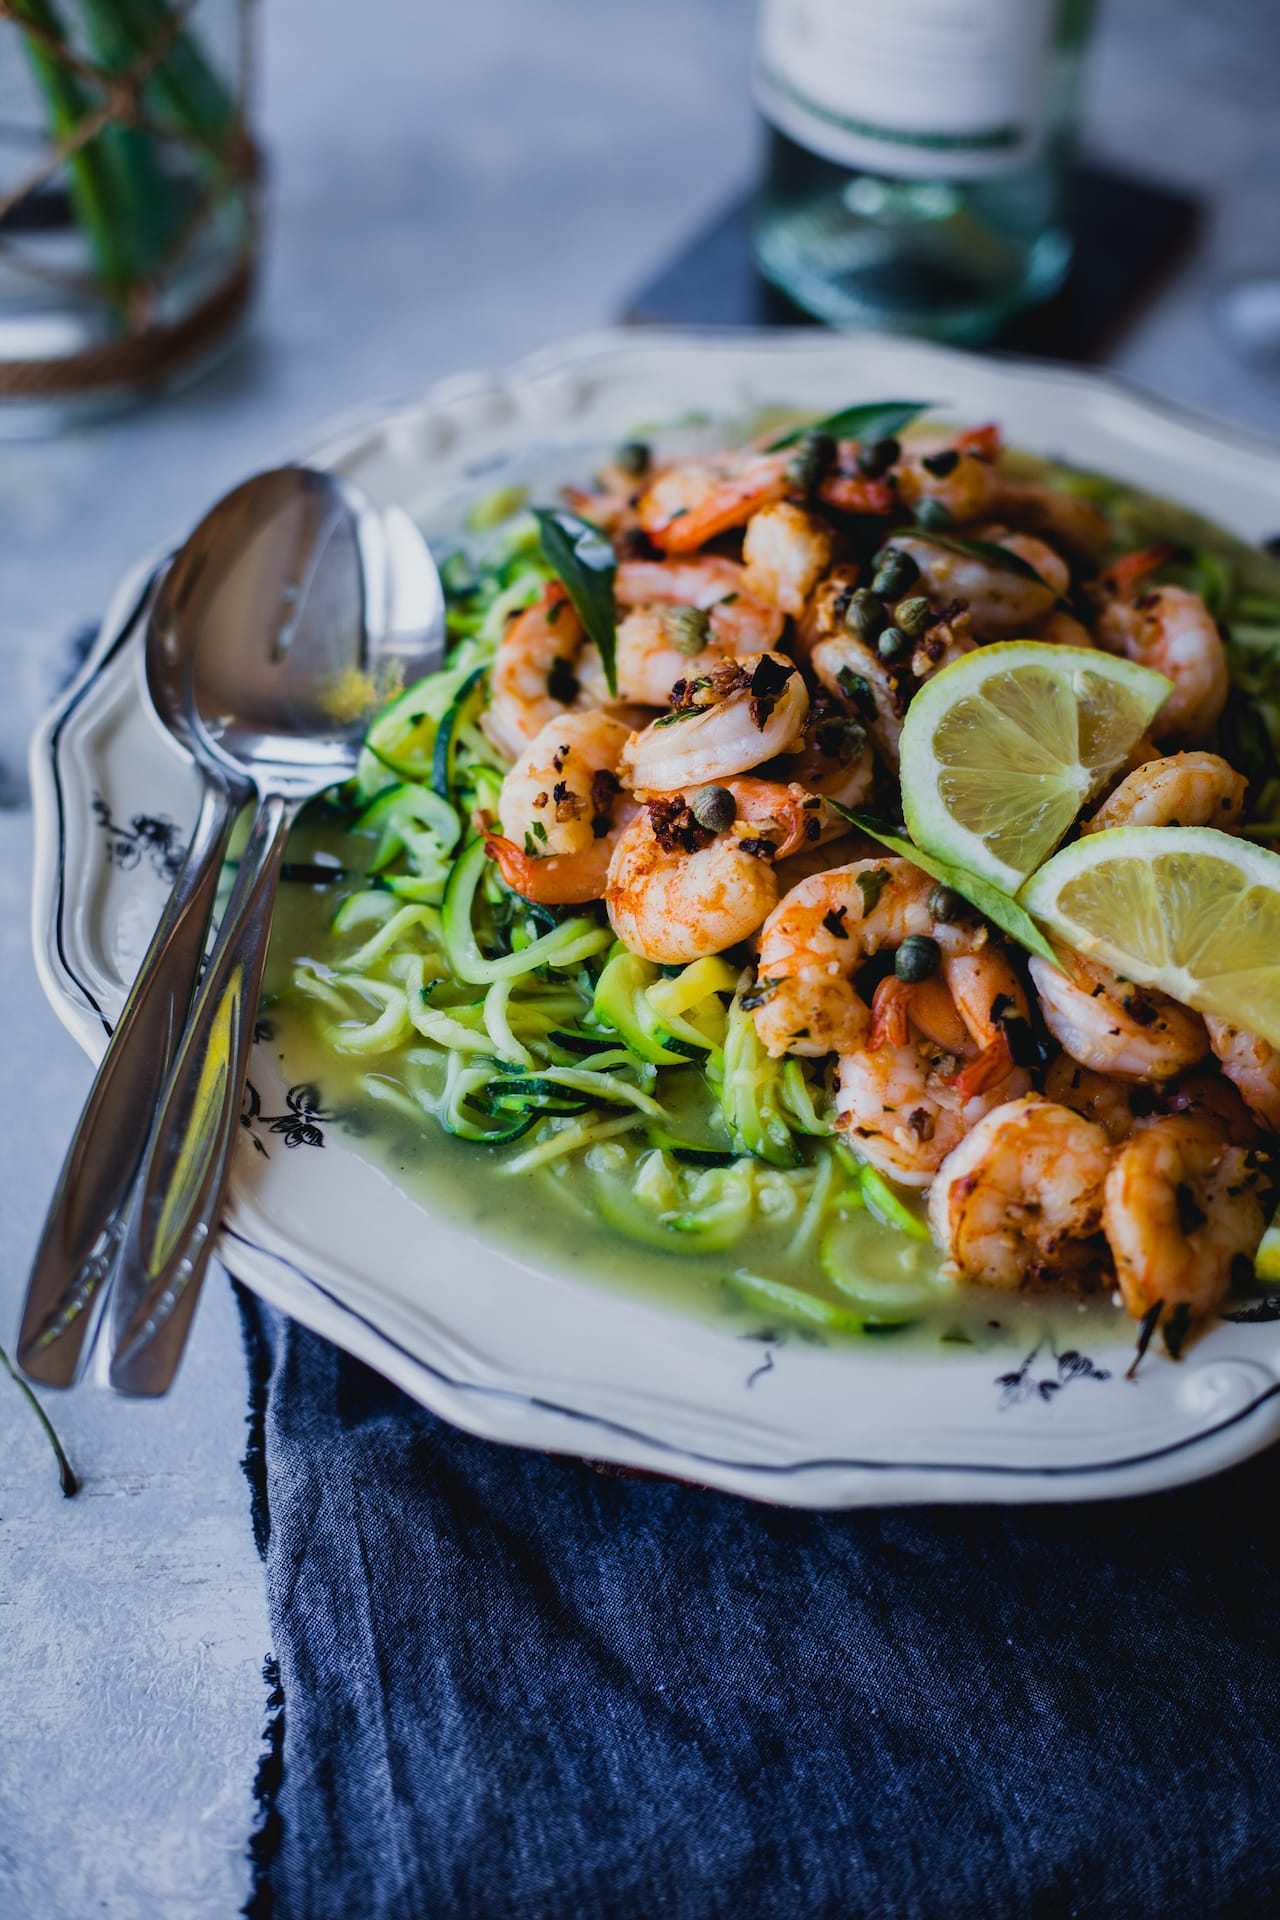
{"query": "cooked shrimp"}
(1182, 790)
(935, 467)
(612, 504)
(534, 674)
(814, 944)
(999, 603)
(1112, 1025)
(926, 1007)
(653, 651)
(851, 671)
(726, 722)
(1065, 519)
(1252, 1064)
(902, 1109)
(848, 491)
(1183, 1213)
(787, 551)
(834, 760)
(1172, 631)
(877, 693)
(677, 891)
(740, 619)
(969, 1010)
(561, 810)
(1122, 1107)
(990, 1000)
(1020, 1198)
(816, 940)
(905, 1098)
(1096, 1096)
(1210, 1095)
(689, 504)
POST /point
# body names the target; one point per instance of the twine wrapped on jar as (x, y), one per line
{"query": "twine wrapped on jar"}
(128, 193)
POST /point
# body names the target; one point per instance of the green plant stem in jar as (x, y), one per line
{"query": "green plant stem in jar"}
(130, 237)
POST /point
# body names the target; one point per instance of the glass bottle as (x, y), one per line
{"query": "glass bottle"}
(916, 159)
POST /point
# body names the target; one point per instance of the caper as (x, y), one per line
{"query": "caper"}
(945, 903)
(877, 456)
(894, 573)
(813, 455)
(865, 615)
(933, 515)
(913, 615)
(633, 458)
(687, 628)
(856, 690)
(941, 463)
(892, 644)
(714, 808)
(840, 737)
(918, 958)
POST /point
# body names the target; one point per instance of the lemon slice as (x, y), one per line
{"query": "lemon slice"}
(1190, 910)
(1002, 749)
(1266, 1261)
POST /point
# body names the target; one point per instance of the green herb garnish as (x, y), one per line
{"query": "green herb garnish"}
(989, 552)
(990, 900)
(584, 562)
(875, 420)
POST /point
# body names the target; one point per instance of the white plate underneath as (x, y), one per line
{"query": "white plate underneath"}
(506, 1347)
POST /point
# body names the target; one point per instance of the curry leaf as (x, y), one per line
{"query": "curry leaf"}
(989, 552)
(584, 562)
(990, 900)
(876, 420)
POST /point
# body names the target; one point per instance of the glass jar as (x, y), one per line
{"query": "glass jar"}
(917, 153)
(128, 218)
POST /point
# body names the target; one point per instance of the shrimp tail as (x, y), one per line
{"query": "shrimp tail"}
(984, 441)
(990, 1067)
(889, 1007)
(546, 881)
(1124, 574)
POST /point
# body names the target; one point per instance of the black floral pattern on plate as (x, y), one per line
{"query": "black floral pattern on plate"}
(300, 1126)
(1043, 1379)
(150, 836)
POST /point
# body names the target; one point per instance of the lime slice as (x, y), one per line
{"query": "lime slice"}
(1190, 910)
(1002, 749)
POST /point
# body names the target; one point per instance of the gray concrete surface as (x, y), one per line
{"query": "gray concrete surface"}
(451, 187)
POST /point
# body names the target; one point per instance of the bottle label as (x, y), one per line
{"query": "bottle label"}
(942, 89)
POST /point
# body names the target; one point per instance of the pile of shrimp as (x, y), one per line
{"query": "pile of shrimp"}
(776, 613)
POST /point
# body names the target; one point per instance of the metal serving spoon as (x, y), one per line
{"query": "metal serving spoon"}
(86, 1215)
(278, 704)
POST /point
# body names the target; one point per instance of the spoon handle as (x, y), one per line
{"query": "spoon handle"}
(180, 1191)
(86, 1215)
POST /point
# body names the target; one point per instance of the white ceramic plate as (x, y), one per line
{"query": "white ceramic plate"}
(503, 1346)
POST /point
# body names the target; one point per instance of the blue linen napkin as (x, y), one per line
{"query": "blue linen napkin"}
(513, 1685)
